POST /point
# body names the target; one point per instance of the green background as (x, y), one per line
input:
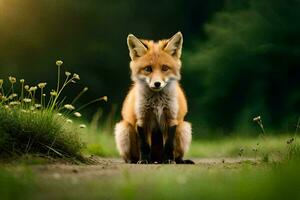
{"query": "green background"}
(240, 58)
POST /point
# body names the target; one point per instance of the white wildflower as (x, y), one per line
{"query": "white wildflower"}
(27, 100)
(42, 85)
(13, 95)
(38, 105)
(69, 107)
(12, 79)
(67, 73)
(82, 126)
(3, 98)
(104, 98)
(59, 63)
(33, 88)
(256, 119)
(76, 76)
(53, 93)
(14, 103)
(77, 114)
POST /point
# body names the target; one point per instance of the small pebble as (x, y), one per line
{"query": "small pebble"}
(56, 176)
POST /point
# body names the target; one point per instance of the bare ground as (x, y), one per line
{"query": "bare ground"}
(111, 178)
(108, 167)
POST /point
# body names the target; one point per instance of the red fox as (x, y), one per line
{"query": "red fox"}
(152, 129)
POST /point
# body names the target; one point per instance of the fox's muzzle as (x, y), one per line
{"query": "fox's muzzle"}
(157, 85)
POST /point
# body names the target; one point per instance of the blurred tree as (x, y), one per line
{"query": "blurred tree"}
(248, 66)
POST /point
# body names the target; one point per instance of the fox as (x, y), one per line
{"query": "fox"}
(153, 127)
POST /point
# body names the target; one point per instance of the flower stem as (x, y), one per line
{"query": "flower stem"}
(79, 95)
(58, 78)
(12, 88)
(33, 98)
(2, 90)
(58, 93)
(89, 103)
(22, 91)
(42, 96)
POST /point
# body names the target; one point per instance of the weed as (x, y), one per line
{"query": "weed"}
(258, 120)
(30, 124)
(241, 152)
(293, 149)
(255, 150)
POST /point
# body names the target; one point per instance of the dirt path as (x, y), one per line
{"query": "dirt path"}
(111, 178)
(107, 167)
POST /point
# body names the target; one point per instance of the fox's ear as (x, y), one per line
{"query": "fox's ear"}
(136, 47)
(174, 45)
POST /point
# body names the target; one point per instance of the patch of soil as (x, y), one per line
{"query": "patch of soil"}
(107, 167)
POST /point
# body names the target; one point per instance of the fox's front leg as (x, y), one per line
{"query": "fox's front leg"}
(169, 145)
(144, 146)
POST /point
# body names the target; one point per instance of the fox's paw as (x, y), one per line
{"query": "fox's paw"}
(168, 161)
(188, 162)
(181, 161)
(142, 162)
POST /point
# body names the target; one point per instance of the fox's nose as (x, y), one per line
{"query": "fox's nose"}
(157, 84)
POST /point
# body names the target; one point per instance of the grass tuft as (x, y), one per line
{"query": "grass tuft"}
(41, 132)
(32, 124)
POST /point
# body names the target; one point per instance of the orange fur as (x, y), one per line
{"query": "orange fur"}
(128, 108)
(149, 106)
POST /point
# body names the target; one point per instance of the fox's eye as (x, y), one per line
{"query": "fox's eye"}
(148, 69)
(165, 68)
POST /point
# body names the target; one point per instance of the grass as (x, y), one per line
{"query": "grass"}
(39, 132)
(276, 147)
(218, 181)
(99, 142)
(31, 123)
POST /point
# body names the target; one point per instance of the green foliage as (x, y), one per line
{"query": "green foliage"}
(95, 149)
(99, 142)
(293, 149)
(253, 147)
(268, 148)
(41, 132)
(249, 66)
(29, 124)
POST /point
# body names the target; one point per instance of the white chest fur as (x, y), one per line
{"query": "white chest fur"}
(156, 103)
